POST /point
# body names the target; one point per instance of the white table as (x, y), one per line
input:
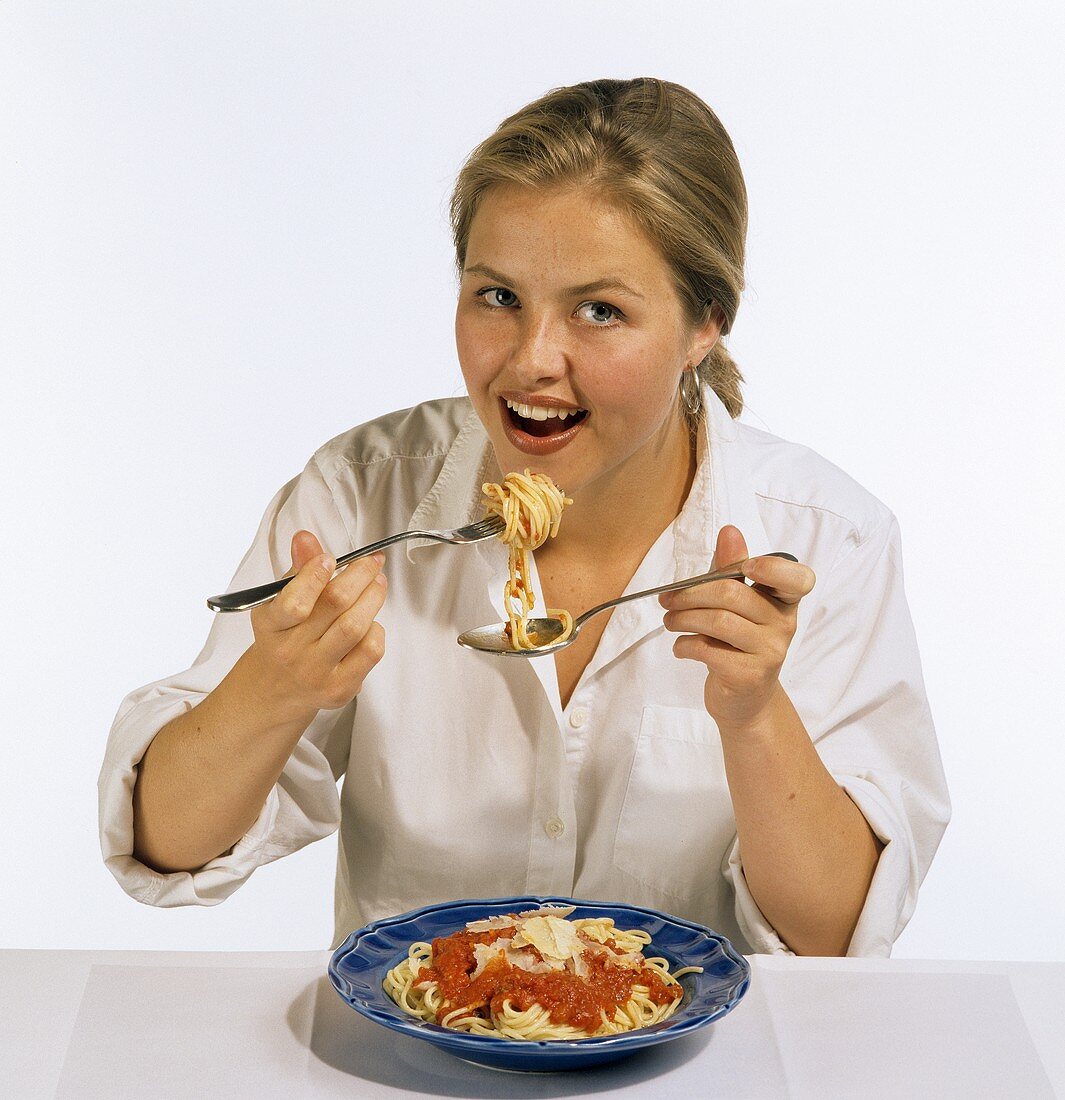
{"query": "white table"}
(187, 1024)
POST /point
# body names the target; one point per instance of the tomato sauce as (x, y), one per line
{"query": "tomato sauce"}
(567, 998)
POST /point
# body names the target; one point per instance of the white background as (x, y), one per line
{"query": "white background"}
(223, 240)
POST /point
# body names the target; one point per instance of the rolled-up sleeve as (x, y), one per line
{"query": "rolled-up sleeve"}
(856, 681)
(303, 806)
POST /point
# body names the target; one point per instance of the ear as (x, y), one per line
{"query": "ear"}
(706, 335)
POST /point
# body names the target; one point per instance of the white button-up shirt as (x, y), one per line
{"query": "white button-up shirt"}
(463, 775)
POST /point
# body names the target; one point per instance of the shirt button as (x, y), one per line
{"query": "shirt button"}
(554, 827)
(577, 718)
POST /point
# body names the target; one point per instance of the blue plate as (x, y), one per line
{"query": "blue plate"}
(358, 967)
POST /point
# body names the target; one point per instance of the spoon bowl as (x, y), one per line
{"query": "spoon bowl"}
(495, 639)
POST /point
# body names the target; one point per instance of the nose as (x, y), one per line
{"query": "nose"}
(541, 353)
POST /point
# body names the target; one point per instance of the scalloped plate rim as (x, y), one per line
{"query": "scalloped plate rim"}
(486, 1044)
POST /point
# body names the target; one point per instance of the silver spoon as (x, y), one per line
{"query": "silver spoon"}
(493, 639)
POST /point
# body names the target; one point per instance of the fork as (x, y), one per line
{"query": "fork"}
(460, 536)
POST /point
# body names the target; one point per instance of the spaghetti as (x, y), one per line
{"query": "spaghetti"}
(531, 507)
(535, 976)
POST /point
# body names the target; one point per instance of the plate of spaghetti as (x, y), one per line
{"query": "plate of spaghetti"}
(539, 983)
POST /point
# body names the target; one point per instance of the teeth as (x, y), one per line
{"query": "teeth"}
(541, 412)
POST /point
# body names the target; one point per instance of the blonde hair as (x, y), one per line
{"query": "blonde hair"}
(659, 152)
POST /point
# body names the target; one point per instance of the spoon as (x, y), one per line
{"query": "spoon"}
(493, 639)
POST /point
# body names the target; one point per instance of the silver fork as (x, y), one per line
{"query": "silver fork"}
(460, 536)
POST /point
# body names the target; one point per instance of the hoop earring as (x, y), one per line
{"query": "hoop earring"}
(689, 391)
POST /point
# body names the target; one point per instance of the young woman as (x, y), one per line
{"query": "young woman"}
(757, 757)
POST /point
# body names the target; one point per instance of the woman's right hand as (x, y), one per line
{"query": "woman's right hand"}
(317, 639)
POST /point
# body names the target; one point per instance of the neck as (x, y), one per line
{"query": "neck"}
(632, 504)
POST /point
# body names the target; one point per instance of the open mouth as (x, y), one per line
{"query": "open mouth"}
(543, 422)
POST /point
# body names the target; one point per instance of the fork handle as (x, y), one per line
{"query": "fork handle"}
(248, 598)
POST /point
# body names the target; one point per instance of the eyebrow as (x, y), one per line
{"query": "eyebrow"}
(606, 283)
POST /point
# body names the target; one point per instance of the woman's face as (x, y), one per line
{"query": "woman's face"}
(572, 338)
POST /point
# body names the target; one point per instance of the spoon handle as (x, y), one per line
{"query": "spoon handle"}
(732, 572)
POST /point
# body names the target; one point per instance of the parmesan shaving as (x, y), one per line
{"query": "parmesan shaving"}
(512, 920)
(628, 960)
(483, 954)
(553, 937)
(526, 960)
(506, 921)
(548, 911)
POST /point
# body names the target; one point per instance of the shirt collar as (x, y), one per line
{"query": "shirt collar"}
(455, 498)
(722, 492)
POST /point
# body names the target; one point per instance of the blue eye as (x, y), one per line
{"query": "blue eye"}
(496, 297)
(599, 314)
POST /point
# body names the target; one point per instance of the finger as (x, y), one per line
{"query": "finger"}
(780, 579)
(341, 594)
(349, 628)
(344, 681)
(365, 655)
(305, 546)
(718, 656)
(715, 622)
(729, 595)
(295, 602)
(731, 547)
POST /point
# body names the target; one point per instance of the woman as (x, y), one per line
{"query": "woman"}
(758, 757)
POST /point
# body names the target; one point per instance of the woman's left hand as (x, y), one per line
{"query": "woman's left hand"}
(741, 633)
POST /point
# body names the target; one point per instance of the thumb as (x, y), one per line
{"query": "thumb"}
(731, 547)
(304, 547)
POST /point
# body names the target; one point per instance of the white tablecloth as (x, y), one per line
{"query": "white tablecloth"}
(187, 1024)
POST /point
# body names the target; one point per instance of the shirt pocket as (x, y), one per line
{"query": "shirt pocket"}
(676, 818)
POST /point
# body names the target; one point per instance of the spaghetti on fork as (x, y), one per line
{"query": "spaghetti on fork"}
(530, 506)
